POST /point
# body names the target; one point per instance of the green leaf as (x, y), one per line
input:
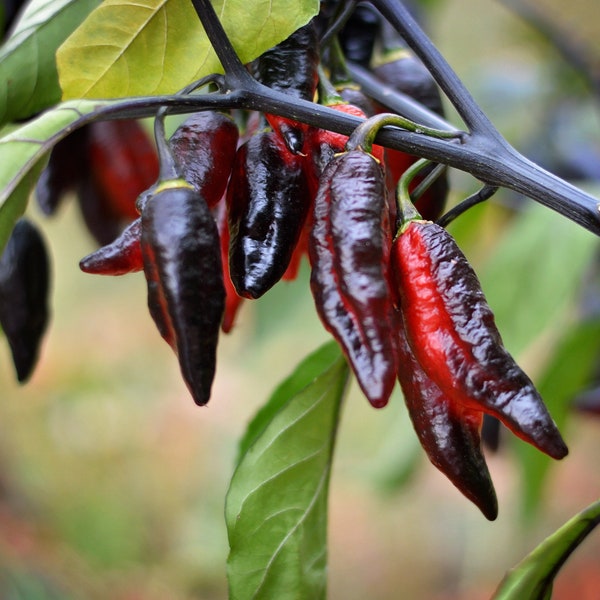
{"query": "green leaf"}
(533, 577)
(276, 509)
(23, 152)
(535, 274)
(28, 75)
(567, 373)
(312, 366)
(159, 46)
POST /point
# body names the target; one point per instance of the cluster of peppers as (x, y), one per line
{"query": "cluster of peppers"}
(231, 214)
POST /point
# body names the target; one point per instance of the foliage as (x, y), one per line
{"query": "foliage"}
(114, 60)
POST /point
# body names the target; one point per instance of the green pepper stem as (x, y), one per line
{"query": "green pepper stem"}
(364, 135)
(328, 95)
(406, 209)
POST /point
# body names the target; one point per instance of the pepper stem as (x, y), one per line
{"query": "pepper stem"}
(168, 167)
(407, 211)
(364, 135)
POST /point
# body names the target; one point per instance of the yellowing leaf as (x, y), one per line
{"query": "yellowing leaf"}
(159, 46)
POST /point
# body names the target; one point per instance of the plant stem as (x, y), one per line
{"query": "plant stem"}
(234, 69)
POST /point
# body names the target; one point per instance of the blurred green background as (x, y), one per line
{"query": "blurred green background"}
(112, 482)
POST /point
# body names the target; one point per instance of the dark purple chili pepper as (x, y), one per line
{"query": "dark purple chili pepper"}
(24, 289)
(186, 296)
(268, 199)
(349, 252)
(204, 147)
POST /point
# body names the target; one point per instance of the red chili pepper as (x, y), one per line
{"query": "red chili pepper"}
(122, 256)
(204, 146)
(453, 336)
(186, 296)
(349, 250)
(448, 432)
(24, 289)
(268, 199)
(233, 300)
(123, 163)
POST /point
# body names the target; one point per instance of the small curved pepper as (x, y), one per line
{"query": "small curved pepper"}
(349, 251)
(123, 255)
(186, 296)
(290, 67)
(24, 289)
(268, 199)
(448, 432)
(204, 147)
(452, 333)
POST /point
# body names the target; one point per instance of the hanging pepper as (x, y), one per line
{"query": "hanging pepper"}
(349, 249)
(107, 164)
(186, 297)
(233, 300)
(204, 146)
(291, 68)
(452, 333)
(24, 289)
(448, 432)
(122, 256)
(268, 199)
(359, 34)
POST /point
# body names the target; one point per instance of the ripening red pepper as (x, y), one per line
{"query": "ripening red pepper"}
(233, 300)
(268, 198)
(291, 68)
(186, 296)
(349, 251)
(453, 336)
(107, 164)
(123, 163)
(204, 147)
(24, 290)
(123, 255)
(448, 432)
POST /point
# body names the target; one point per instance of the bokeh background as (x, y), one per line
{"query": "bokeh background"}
(112, 482)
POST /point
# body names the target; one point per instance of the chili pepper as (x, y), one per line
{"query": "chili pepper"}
(66, 166)
(24, 289)
(448, 432)
(122, 256)
(182, 264)
(291, 68)
(349, 250)
(359, 34)
(268, 199)
(107, 164)
(233, 300)
(204, 146)
(123, 163)
(400, 68)
(452, 333)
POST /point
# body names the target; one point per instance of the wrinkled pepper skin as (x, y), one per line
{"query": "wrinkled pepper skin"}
(268, 199)
(291, 68)
(349, 250)
(186, 297)
(452, 332)
(449, 433)
(122, 256)
(204, 146)
(24, 291)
